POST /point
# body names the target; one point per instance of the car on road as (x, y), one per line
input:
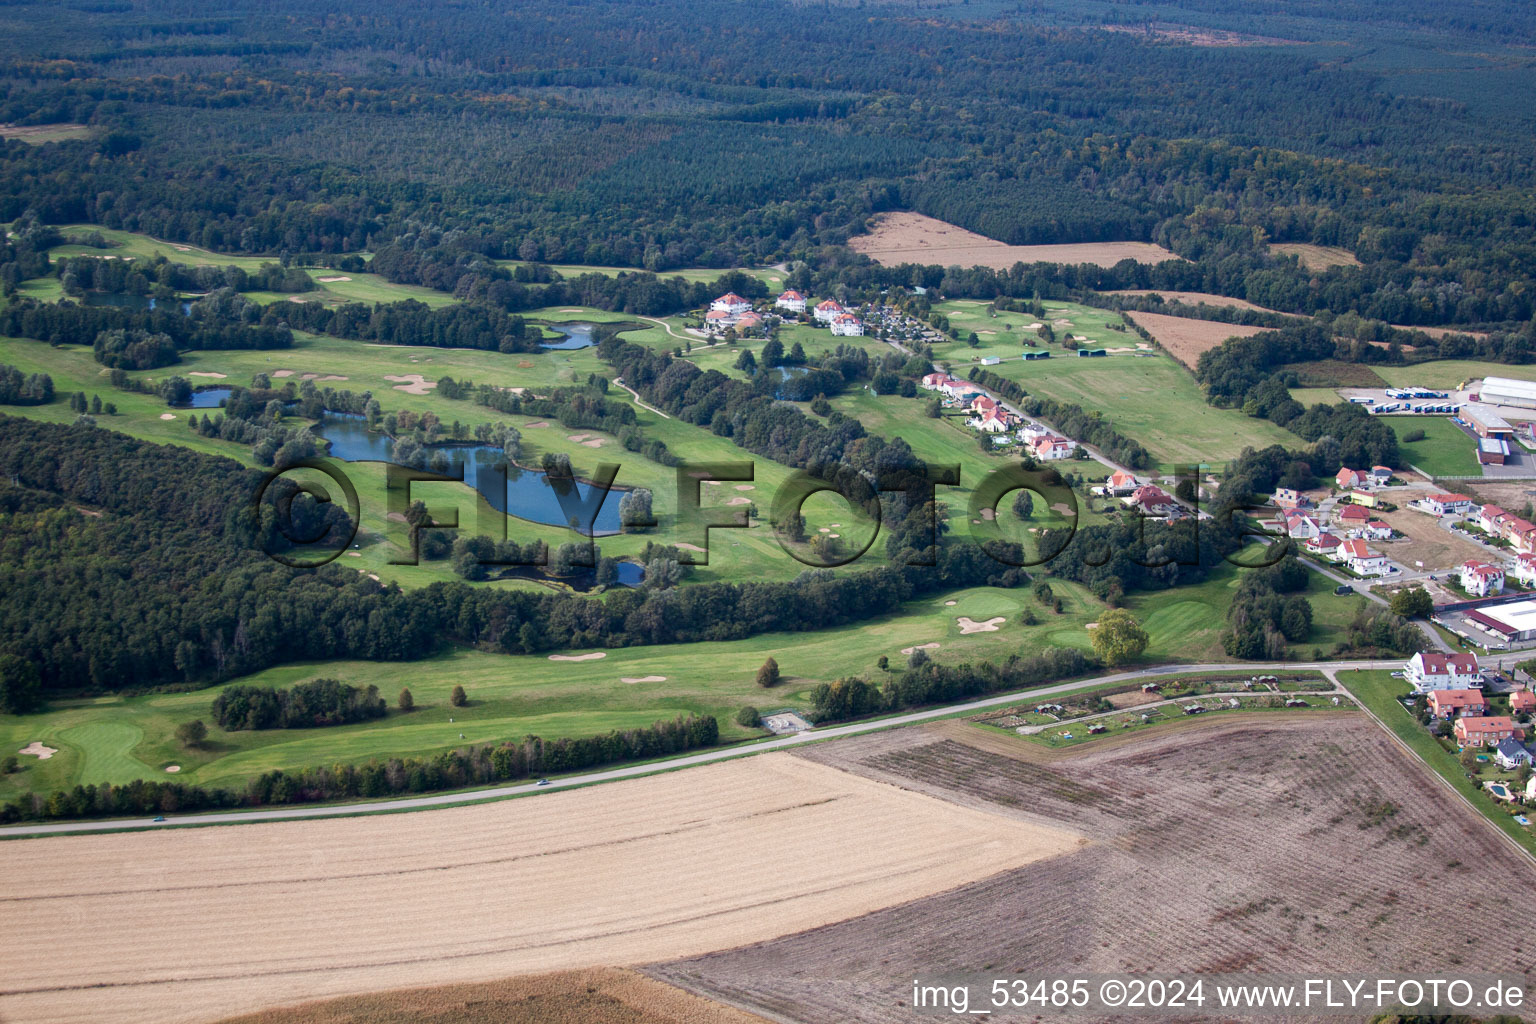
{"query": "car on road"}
(542, 782)
(159, 819)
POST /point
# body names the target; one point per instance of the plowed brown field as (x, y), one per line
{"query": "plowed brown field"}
(189, 925)
(914, 238)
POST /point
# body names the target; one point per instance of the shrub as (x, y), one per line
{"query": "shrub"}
(749, 717)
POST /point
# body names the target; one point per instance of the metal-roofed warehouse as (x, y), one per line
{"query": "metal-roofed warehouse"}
(1504, 391)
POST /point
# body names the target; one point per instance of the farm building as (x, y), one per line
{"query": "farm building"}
(1486, 422)
(991, 360)
(1036, 354)
(1430, 670)
(1090, 352)
(1502, 391)
(790, 300)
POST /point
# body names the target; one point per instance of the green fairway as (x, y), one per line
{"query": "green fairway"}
(1446, 450)
(107, 748)
(1148, 397)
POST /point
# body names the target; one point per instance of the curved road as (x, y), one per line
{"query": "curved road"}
(687, 760)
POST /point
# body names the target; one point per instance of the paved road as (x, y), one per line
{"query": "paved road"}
(688, 760)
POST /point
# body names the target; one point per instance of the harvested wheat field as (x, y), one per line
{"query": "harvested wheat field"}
(1262, 844)
(1316, 258)
(913, 238)
(1184, 338)
(599, 995)
(190, 925)
(1195, 299)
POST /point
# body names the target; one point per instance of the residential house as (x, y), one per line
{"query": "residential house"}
(1521, 534)
(1511, 754)
(1289, 497)
(1353, 516)
(1376, 530)
(791, 300)
(847, 326)
(1481, 579)
(1151, 500)
(1486, 731)
(718, 320)
(981, 404)
(1300, 527)
(828, 310)
(1324, 544)
(1456, 703)
(1120, 482)
(1490, 519)
(1364, 499)
(1522, 702)
(730, 303)
(1439, 505)
(1431, 670)
(1052, 447)
(991, 421)
(748, 321)
(1347, 479)
(1362, 560)
(1524, 569)
(960, 390)
(1380, 475)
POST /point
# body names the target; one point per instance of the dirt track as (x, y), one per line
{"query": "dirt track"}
(190, 925)
(914, 238)
(1282, 845)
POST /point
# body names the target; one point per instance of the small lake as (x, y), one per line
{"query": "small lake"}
(122, 300)
(573, 336)
(786, 374)
(208, 398)
(529, 493)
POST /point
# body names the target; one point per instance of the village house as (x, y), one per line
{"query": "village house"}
(847, 326)
(1511, 754)
(1456, 703)
(1490, 519)
(1523, 569)
(1289, 497)
(1151, 500)
(1522, 702)
(828, 310)
(1485, 731)
(991, 421)
(791, 300)
(1347, 479)
(935, 381)
(1481, 579)
(1364, 499)
(1324, 544)
(1362, 560)
(1353, 516)
(748, 321)
(1301, 527)
(960, 390)
(981, 404)
(1375, 530)
(1521, 534)
(1431, 670)
(1052, 447)
(1380, 475)
(731, 304)
(1120, 482)
(1439, 505)
(718, 320)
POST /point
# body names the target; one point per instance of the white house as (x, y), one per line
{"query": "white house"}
(791, 300)
(1348, 479)
(827, 310)
(959, 388)
(1524, 569)
(935, 381)
(847, 326)
(1481, 579)
(730, 303)
(1324, 544)
(1120, 482)
(1301, 527)
(1362, 559)
(1511, 754)
(718, 320)
(1439, 505)
(1375, 530)
(1152, 500)
(1431, 670)
(1490, 519)
(1052, 447)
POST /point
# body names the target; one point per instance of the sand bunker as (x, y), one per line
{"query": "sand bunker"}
(919, 647)
(167, 415)
(331, 280)
(594, 656)
(572, 310)
(689, 547)
(1034, 326)
(536, 426)
(412, 383)
(642, 679)
(37, 750)
(968, 625)
(596, 442)
(746, 487)
(325, 376)
(282, 373)
(578, 438)
(743, 501)
(949, 604)
(206, 373)
(354, 554)
(173, 768)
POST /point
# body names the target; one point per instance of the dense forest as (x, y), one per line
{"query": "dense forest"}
(444, 140)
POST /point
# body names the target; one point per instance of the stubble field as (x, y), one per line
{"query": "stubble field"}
(1274, 846)
(1185, 339)
(913, 238)
(187, 926)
